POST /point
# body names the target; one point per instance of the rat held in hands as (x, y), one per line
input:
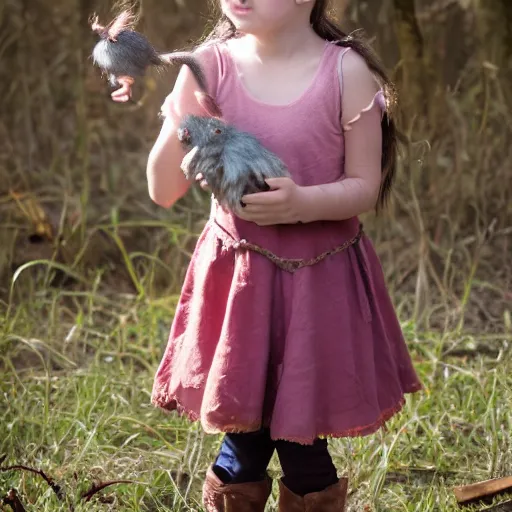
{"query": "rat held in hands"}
(232, 162)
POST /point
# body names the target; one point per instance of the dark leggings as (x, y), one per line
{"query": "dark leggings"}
(245, 457)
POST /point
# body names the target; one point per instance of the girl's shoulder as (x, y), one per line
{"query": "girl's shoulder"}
(210, 58)
(182, 99)
(359, 87)
(214, 58)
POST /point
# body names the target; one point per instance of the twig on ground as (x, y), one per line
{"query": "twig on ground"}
(12, 500)
(55, 487)
(95, 488)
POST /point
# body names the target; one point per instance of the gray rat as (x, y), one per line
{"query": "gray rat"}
(124, 54)
(232, 162)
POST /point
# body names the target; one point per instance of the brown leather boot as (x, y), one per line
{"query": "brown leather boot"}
(249, 497)
(332, 499)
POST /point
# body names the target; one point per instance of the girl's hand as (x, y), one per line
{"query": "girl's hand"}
(124, 93)
(202, 182)
(283, 204)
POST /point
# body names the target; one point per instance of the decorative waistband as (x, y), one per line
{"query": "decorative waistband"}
(288, 264)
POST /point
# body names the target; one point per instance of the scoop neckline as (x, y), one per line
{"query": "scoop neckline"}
(262, 103)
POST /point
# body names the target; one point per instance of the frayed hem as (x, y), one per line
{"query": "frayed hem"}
(171, 404)
(363, 431)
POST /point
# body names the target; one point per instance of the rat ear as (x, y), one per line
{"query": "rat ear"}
(208, 104)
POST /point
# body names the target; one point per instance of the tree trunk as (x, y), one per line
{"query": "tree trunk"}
(413, 76)
(506, 10)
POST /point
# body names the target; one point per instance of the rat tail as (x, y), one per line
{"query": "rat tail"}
(189, 60)
(204, 98)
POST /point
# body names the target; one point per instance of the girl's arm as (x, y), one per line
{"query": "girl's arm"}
(166, 181)
(358, 192)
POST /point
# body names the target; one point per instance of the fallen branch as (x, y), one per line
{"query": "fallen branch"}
(482, 491)
(12, 500)
(15, 504)
(95, 488)
(55, 487)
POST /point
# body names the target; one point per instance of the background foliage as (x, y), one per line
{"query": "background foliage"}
(90, 269)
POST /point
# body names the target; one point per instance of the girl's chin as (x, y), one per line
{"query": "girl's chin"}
(243, 25)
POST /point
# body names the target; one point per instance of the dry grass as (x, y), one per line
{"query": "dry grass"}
(90, 269)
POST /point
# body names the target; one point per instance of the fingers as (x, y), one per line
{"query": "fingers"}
(124, 93)
(279, 190)
(261, 215)
(276, 183)
(263, 198)
(121, 98)
(202, 182)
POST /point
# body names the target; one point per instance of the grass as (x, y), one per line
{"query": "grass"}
(76, 404)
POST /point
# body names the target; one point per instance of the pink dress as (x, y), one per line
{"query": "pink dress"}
(306, 350)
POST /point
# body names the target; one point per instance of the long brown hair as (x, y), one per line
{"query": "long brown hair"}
(326, 28)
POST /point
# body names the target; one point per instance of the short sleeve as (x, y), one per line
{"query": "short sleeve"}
(182, 99)
(360, 91)
(209, 57)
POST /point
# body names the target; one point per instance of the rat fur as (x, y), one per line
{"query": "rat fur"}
(232, 162)
(124, 52)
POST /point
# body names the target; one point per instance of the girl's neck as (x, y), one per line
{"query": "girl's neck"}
(283, 44)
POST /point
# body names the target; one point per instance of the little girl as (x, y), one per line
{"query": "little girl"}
(282, 352)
